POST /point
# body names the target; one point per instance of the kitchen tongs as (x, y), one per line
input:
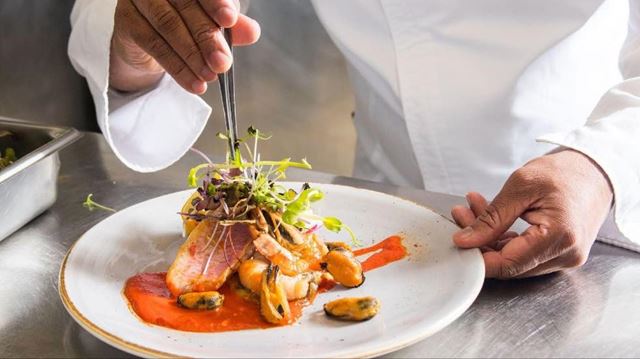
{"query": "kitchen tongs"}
(227, 91)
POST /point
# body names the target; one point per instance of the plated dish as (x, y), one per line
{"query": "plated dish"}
(238, 294)
(252, 257)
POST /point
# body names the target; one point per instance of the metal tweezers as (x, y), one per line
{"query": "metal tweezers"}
(228, 93)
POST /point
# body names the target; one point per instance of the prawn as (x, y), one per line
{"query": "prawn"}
(303, 285)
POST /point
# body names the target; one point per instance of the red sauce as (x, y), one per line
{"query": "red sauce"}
(326, 285)
(387, 251)
(151, 300)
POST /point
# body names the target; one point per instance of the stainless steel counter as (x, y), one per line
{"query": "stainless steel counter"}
(589, 312)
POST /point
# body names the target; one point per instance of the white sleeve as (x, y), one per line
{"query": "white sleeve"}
(611, 137)
(147, 131)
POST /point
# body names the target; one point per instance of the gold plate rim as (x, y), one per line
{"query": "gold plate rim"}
(94, 328)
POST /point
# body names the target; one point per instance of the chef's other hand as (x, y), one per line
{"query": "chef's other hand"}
(180, 37)
(564, 196)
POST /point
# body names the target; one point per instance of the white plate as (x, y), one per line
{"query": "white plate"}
(420, 295)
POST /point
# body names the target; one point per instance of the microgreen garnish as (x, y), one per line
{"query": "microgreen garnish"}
(335, 225)
(8, 158)
(247, 182)
(90, 204)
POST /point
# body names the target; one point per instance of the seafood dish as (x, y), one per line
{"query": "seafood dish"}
(253, 256)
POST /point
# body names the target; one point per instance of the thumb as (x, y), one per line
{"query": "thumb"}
(496, 219)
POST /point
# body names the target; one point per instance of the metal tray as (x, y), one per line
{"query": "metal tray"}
(28, 186)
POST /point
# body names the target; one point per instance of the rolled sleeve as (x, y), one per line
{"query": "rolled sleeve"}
(613, 142)
(157, 128)
(147, 131)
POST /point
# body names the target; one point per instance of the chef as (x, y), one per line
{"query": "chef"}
(534, 104)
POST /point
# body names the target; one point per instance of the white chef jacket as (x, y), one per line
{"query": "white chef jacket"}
(451, 96)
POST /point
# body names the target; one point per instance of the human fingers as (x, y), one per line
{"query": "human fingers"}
(497, 216)
(521, 254)
(551, 266)
(571, 259)
(508, 235)
(501, 242)
(504, 239)
(147, 37)
(207, 36)
(224, 12)
(246, 31)
(555, 265)
(166, 20)
(477, 203)
(462, 215)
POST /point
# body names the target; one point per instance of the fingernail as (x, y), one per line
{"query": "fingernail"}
(199, 87)
(464, 233)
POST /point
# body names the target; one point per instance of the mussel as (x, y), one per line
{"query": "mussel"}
(353, 309)
(274, 306)
(201, 300)
(338, 245)
(344, 267)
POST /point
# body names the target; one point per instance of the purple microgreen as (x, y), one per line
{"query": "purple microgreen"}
(243, 185)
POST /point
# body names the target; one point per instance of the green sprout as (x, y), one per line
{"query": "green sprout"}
(8, 158)
(258, 180)
(91, 205)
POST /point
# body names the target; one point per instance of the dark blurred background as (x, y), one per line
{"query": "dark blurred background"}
(293, 83)
(37, 81)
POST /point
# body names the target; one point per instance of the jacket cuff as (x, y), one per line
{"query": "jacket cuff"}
(157, 128)
(89, 43)
(607, 142)
(147, 131)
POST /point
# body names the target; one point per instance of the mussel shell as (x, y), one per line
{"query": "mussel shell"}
(201, 300)
(352, 309)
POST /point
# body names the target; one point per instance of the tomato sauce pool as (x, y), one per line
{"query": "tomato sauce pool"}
(151, 300)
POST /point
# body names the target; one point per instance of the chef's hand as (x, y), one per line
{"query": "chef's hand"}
(180, 37)
(564, 196)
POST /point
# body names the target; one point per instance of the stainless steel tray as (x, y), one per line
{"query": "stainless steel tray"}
(28, 186)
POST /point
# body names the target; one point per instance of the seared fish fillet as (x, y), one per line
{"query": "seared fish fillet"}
(206, 259)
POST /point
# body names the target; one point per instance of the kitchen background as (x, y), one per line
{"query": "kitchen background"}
(293, 83)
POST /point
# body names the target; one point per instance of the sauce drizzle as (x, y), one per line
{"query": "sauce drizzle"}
(387, 251)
